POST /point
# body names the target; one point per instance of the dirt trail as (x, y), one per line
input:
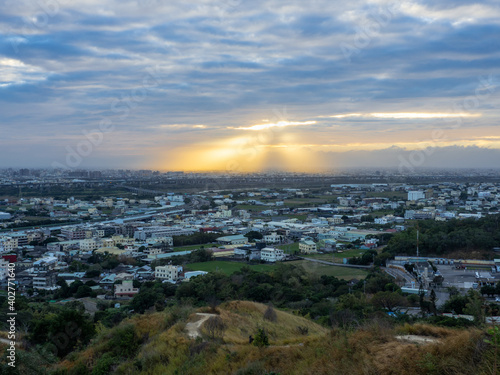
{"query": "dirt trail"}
(417, 339)
(193, 329)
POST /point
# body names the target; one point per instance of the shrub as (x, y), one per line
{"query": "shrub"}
(261, 339)
(103, 365)
(270, 314)
(124, 341)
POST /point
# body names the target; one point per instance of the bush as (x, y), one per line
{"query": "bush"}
(270, 314)
(261, 339)
(103, 365)
(124, 342)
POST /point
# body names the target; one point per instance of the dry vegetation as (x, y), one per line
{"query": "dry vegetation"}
(162, 347)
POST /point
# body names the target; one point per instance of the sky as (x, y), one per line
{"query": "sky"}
(243, 86)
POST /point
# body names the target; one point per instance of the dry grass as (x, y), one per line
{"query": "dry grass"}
(425, 330)
(371, 349)
(243, 318)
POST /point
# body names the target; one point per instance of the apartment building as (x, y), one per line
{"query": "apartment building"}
(167, 272)
(271, 254)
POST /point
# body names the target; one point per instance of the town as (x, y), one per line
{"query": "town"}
(118, 242)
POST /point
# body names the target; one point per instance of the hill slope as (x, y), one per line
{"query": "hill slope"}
(158, 343)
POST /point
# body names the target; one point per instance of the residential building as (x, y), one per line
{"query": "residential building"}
(125, 289)
(416, 195)
(271, 254)
(273, 238)
(89, 244)
(44, 280)
(73, 233)
(167, 272)
(307, 246)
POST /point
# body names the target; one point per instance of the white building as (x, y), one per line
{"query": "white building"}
(270, 254)
(307, 246)
(167, 273)
(126, 289)
(89, 244)
(273, 238)
(8, 244)
(415, 195)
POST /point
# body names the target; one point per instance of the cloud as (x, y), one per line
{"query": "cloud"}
(280, 124)
(226, 65)
(406, 115)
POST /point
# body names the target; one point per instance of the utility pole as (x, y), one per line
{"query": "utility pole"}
(417, 241)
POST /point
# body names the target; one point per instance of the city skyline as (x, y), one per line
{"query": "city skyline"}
(241, 87)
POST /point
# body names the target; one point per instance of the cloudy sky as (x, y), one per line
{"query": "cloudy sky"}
(249, 85)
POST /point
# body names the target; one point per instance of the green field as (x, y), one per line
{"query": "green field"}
(311, 267)
(227, 267)
(289, 249)
(345, 254)
(319, 269)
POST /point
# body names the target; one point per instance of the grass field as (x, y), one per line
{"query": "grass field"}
(345, 254)
(319, 269)
(289, 249)
(313, 268)
(227, 267)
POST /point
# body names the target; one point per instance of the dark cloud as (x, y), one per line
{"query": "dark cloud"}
(234, 62)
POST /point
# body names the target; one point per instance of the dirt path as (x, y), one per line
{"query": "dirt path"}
(193, 329)
(417, 339)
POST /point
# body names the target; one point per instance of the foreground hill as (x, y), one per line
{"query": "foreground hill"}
(178, 341)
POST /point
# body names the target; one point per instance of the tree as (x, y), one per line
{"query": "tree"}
(421, 295)
(253, 235)
(92, 273)
(488, 290)
(62, 331)
(433, 302)
(261, 339)
(388, 300)
(475, 307)
(83, 291)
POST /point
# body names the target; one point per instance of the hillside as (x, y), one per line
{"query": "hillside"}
(158, 343)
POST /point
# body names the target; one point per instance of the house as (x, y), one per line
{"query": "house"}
(167, 272)
(273, 238)
(125, 289)
(252, 252)
(271, 254)
(307, 246)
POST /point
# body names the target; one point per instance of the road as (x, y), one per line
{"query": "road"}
(394, 272)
